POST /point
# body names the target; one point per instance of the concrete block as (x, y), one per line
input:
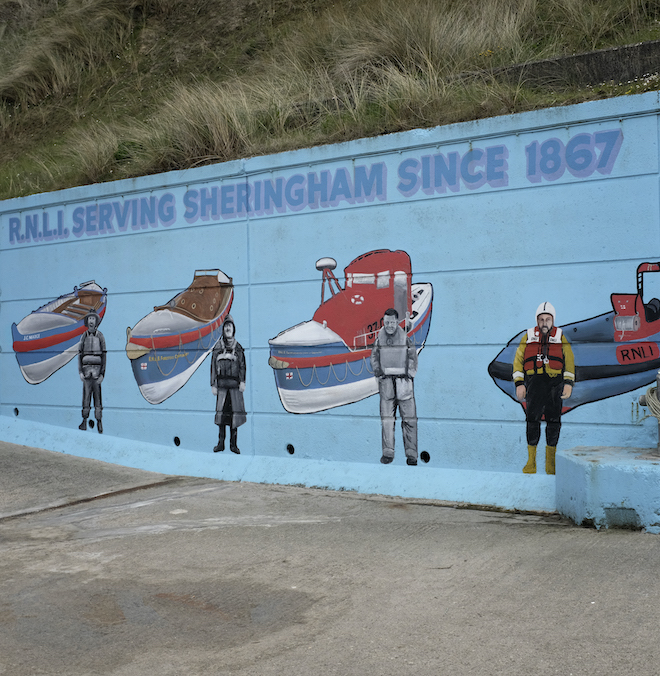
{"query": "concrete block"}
(609, 487)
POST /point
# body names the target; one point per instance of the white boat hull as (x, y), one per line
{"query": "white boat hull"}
(321, 399)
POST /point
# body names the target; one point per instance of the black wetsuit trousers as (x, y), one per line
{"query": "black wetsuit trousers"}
(543, 399)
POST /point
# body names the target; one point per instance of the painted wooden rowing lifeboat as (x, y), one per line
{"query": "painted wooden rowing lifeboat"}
(169, 344)
(48, 338)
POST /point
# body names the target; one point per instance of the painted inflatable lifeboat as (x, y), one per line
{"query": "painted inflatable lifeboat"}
(48, 337)
(168, 345)
(615, 353)
(325, 362)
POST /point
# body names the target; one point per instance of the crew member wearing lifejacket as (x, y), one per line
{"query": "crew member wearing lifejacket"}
(394, 363)
(91, 367)
(544, 375)
(228, 372)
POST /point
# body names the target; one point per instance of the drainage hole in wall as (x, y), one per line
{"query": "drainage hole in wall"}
(177, 441)
(15, 411)
(290, 449)
(424, 456)
(91, 424)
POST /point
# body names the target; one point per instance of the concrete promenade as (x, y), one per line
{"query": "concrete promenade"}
(106, 570)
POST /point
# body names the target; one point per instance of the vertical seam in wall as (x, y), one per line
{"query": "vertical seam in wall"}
(249, 306)
(657, 168)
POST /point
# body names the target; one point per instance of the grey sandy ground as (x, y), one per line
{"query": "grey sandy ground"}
(186, 576)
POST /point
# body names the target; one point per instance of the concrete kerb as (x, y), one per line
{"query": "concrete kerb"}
(500, 490)
(601, 487)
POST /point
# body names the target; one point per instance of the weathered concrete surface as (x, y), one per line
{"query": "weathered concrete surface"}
(610, 487)
(32, 480)
(203, 577)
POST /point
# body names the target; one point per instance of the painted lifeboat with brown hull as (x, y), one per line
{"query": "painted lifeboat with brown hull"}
(326, 362)
(48, 338)
(169, 344)
(615, 353)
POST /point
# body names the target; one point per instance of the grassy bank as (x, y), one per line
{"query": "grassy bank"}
(94, 90)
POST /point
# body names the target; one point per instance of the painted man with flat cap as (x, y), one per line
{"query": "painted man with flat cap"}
(91, 367)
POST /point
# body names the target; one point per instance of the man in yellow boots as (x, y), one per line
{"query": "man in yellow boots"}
(544, 374)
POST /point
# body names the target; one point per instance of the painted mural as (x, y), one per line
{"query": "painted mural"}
(326, 362)
(460, 205)
(615, 352)
(92, 358)
(170, 343)
(228, 374)
(394, 365)
(49, 337)
(551, 370)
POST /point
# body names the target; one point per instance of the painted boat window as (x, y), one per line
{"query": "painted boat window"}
(363, 278)
(383, 280)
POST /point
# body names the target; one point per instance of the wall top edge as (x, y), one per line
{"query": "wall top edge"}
(635, 105)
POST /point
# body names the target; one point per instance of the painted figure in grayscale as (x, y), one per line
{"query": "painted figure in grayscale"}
(394, 363)
(91, 367)
(228, 372)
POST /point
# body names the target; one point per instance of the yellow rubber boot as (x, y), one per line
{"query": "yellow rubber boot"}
(550, 459)
(530, 467)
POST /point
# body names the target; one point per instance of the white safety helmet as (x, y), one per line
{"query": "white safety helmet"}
(546, 309)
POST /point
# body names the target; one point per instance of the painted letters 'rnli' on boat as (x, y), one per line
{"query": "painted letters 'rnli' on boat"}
(168, 345)
(615, 353)
(48, 337)
(325, 362)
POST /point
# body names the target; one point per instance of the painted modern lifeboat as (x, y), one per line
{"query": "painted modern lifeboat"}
(48, 337)
(168, 345)
(615, 353)
(325, 362)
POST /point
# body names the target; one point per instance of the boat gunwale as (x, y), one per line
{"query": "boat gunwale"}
(153, 342)
(53, 336)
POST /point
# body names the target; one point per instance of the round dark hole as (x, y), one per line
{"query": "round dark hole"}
(290, 449)
(15, 411)
(177, 441)
(91, 424)
(424, 456)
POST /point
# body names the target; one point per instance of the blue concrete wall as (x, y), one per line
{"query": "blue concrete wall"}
(558, 205)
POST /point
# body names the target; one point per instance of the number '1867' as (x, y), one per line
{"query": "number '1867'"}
(581, 156)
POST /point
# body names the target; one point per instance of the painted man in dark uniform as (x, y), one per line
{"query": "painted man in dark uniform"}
(91, 367)
(228, 373)
(394, 363)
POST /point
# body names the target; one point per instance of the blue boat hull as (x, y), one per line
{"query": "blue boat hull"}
(161, 373)
(603, 367)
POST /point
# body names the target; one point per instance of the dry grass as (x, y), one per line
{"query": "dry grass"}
(139, 86)
(85, 34)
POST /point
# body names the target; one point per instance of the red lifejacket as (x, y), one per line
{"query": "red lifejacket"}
(540, 355)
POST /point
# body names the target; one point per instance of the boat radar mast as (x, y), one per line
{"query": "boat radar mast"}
(327, 265)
